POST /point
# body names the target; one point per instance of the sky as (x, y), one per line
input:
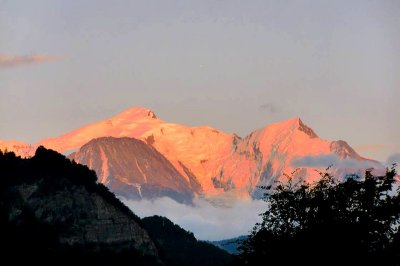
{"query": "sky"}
(232, 65)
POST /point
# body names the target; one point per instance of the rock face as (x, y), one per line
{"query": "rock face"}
(89, 217)
(134, 169)
(209, 162)
(54, 212)
(194, 151)
(64, 196)
(264, 155)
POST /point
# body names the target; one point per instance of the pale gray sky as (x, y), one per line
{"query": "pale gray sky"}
(233, 65)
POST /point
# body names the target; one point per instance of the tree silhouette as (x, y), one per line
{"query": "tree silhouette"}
(180, 247)
(355, 221)
(28, 236)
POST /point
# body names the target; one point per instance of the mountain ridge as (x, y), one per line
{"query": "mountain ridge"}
(134, 169)
(54, 211)
(217, 161)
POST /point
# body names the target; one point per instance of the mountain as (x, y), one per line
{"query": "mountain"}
(179, 247)
(265, 154)
(230, 245)
(209, 162)
(54, 212)
(134, 169)
(194, 151)
(19, 148)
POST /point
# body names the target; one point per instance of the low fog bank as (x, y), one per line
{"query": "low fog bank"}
(207, 221)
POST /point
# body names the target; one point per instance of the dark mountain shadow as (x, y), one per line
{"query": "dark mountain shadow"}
(53, 212)
(179, 247)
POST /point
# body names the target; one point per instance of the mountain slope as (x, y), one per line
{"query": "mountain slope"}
(51, 208)
(213, 162)
(230, 245)
(53, 212)
(193, 151)
(179, 247)
(264, 155)
(19, 148)
(134, 169)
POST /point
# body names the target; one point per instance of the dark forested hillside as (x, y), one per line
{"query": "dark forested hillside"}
(53, 212)
(179, 247)
(231, 245)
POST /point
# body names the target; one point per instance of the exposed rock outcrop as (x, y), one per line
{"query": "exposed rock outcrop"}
(64, 200)
(134, 169)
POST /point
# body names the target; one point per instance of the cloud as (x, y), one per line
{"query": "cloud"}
(270, 107)
(205, 220)
(393, 158)
(325, 160)
(7, 61)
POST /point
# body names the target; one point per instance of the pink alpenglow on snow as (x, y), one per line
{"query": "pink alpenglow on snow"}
(208, 161)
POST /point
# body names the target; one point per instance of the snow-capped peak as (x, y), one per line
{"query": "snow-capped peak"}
(211, 159)
(135, 113)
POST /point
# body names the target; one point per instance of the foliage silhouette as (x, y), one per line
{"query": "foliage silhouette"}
(328, 222)
(56, 171)
(179, 247)
(25, 238)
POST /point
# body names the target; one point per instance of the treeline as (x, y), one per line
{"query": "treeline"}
(180, 247)
(355, 222)
(55, 170)
(27, 236)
